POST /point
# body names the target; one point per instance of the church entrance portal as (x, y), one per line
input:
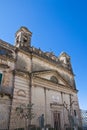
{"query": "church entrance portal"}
(56, 116)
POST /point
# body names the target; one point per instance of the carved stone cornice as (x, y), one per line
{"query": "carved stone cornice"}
(48, 56)
(37, 81)
(21, 73)
(4, 65)
(6, 51)
(6, 45)
(55, 104)
(35, 73)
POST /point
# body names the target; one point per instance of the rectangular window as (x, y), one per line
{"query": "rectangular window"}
(0, 78)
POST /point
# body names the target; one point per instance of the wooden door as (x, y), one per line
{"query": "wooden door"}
(56, 116)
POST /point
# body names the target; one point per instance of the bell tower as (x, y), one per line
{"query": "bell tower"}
(23, 37)
(65, 60)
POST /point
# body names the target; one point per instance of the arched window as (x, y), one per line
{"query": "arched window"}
(54, 79)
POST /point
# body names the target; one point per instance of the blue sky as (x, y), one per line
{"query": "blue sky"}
(57, 25)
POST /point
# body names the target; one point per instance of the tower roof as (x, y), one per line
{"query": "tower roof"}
(24, 29)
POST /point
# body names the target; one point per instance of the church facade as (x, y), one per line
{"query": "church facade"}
(29, 75)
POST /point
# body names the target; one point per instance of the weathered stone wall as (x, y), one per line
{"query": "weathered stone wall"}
(23, 61)
(54, 103)
(21, 96)
(4, 112)
(22, 86)
(45, 103)
(6, 67)
(48, 98)
(40, 64)
(38, 99)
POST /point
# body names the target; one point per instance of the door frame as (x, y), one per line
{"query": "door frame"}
(57, 119)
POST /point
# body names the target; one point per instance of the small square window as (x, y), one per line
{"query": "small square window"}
(0, 78)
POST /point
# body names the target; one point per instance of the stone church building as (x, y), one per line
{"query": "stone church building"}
(29, 75)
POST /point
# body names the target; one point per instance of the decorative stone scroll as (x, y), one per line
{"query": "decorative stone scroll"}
(21, 93)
